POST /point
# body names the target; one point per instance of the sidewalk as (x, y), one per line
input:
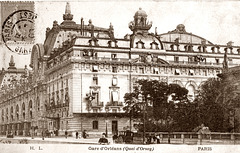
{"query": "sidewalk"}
(54, 140)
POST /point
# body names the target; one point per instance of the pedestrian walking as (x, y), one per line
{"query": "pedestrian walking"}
(43, 133)
(66, 133)
(84, 134)
(158, 139)
(115, 137)
(77, 135)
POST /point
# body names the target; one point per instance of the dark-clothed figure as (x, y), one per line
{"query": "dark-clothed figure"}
(103, 140)
(84, 134)
(43, 134)
(115, 137)
(66, 133)
(76, 135)
(158, 139)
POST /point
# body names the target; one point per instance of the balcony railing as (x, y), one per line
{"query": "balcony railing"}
(49, 107)
(98, 105)
(201, 63)
(114, 104)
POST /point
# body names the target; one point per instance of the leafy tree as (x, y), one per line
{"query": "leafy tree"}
(167, 106)
(216, 99)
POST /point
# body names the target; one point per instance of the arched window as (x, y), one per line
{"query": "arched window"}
(7, 114)
(11, 113)
(38, 104)
(17, 112)
(30, 109)
(3, 115)
(191, 92)
(23, 111)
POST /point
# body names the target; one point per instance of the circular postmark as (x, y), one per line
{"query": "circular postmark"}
(18, 31)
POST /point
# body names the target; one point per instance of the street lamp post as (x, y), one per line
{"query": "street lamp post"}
(144, 122)
(142, 103)
(106, 130)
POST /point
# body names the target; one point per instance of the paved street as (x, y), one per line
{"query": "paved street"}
(55, 140)
(73, 140)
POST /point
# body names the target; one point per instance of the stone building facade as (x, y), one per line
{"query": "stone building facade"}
(81, 73)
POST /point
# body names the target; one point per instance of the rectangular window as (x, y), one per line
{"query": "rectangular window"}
(190, 59)
(66, 84)
(176, 59)
(95, 110)
(95, 125)
(114, 110)
(114, 96)
(95, 68)
(141, 70)
(205, 72)
(217, 61)
(95, 80)
(113, 56)
(114, 81)
(95, 101)
(114, 69)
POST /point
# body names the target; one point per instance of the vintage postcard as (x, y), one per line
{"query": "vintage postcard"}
(120, 76)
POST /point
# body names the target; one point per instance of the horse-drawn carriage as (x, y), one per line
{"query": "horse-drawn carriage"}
(124, 137)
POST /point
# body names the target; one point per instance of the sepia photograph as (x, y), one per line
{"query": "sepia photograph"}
(120, 76)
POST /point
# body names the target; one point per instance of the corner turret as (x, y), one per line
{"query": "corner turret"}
(140, 24)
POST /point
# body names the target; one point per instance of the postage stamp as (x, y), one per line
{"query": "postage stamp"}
(17, 23)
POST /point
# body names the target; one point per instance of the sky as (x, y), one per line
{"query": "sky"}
(217, 21)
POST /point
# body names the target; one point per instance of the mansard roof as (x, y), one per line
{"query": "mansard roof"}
(68, 30)
(183, 36)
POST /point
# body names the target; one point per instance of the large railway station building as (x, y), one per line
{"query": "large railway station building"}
(81, 72)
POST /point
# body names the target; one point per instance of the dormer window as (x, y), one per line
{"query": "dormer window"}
(112, 43)
(93, 42)
(177, 72)
(140, 44)
(154, 45)
(141, 70)
(155, 70)
(238, 50)
(90, 43)
(191, 72)
(95, 68)
(213, 49)
(200, 48)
